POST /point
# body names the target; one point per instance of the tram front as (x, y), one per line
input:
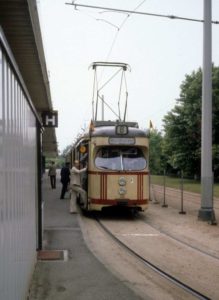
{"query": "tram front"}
(118, 166)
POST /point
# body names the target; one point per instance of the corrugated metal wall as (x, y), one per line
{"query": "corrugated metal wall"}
(17, 184)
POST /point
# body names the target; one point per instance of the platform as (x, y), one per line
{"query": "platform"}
(66, 269)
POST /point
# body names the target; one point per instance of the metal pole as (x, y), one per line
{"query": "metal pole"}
(151, 189)
(39, 184)
(182, 212)
(206, 212)
(102, 107)
(164, 189)
(149, 182)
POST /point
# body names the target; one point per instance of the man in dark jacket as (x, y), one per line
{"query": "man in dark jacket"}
(65, 179)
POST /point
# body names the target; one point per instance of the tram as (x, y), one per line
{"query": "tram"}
(116, 154)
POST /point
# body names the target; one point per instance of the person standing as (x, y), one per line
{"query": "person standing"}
(75, 186)
(52, 175)
(65, 179)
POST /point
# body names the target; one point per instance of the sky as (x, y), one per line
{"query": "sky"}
(160, 53)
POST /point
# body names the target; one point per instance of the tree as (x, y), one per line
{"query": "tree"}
(155, 152)
(182, 125)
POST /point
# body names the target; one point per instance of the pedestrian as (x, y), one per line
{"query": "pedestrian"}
(75, 187)
(52, 175)
(65, 179)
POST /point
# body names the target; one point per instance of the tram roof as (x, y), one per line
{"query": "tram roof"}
(108, 129)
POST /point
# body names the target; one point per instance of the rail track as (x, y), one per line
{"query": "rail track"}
(152, 266)
(182, 242)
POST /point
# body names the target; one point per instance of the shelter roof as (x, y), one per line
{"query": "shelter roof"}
(20, 23)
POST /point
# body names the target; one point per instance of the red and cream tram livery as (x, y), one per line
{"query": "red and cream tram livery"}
(116, 154)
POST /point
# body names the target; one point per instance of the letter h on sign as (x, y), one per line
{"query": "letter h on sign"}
(50, 118)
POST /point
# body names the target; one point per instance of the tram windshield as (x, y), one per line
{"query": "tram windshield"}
(120, 158)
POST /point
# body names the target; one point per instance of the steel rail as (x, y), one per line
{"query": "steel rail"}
(182, 242)
(162, 273)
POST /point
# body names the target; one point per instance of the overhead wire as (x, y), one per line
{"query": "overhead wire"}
(129, 13)
(120, 27)
(141, 13)
(111, 49)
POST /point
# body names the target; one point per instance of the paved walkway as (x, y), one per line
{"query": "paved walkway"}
(81, 276)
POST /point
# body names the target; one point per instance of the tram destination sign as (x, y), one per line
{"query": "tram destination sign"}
(121, 141)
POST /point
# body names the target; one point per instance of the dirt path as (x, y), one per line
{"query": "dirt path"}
(173, 198)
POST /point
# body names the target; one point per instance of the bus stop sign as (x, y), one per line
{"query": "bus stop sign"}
(50, 118)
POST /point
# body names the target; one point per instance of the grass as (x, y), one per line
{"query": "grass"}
(188, 184)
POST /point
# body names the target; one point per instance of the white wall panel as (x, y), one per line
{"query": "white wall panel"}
(17, 185)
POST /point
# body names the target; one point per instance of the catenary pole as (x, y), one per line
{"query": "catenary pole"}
(206, 212)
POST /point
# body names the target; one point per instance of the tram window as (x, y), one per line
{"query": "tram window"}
(133, 159)
(120, 158)
(108, 158)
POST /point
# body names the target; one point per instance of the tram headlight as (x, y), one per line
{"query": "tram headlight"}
(122, 190)
(122, 181)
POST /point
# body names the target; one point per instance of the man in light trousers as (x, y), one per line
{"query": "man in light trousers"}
(75, 186)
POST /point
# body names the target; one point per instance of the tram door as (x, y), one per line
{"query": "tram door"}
(83, 159)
